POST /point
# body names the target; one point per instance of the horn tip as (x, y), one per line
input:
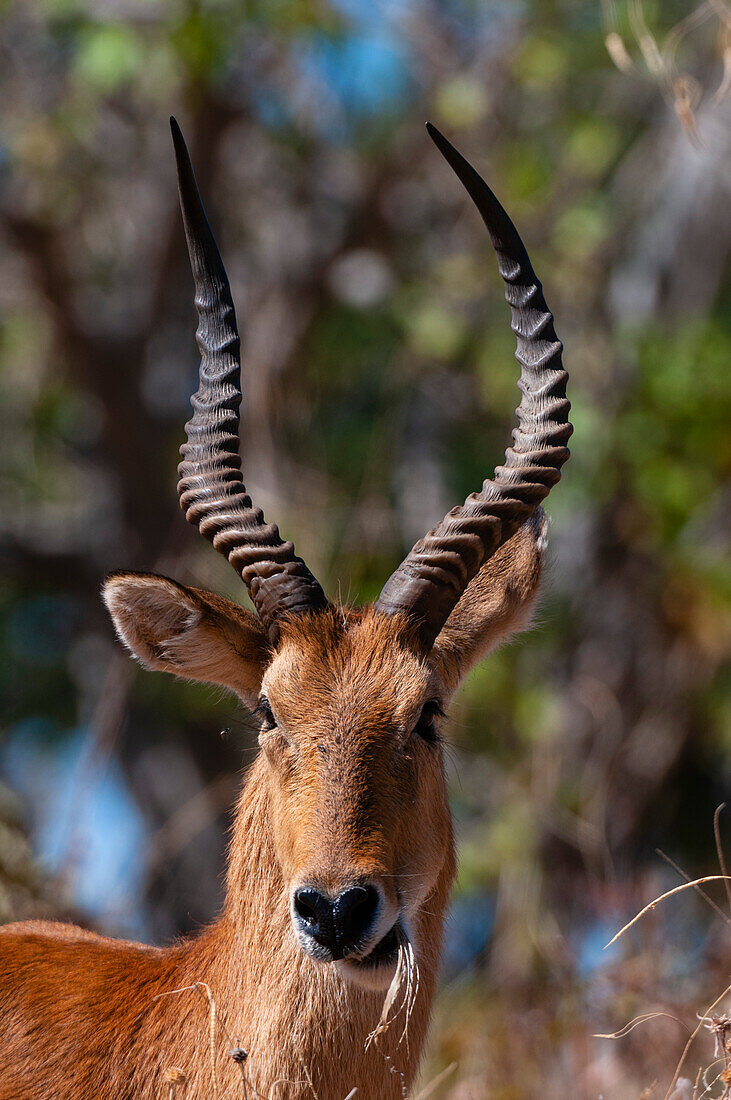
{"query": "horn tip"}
(438, 137)
(181, 149)
(186, 176)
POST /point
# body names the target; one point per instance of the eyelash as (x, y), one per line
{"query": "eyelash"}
(425, 728)
(263, 711)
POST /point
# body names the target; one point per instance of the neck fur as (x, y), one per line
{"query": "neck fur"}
(301, 1023)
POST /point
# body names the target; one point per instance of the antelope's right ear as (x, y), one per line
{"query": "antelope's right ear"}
(188, 632)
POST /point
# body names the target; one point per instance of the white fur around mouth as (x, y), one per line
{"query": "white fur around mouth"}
(375, 970)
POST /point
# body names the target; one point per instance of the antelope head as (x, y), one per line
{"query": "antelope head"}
(350, 701)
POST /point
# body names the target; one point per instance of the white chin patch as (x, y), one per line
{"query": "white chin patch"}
(376, 970)
(374, 978)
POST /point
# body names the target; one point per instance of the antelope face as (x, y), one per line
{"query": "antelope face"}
(349, 704)
(350, 713)
(349, 701)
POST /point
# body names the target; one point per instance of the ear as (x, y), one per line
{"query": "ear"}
(497, 603)
(191, 633)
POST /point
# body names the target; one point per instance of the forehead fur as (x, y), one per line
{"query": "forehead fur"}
(346, 663)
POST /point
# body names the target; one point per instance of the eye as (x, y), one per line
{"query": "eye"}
(264, 712)
(426, 727)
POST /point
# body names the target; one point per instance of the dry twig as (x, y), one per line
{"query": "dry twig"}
(688, 1045)
(699, 889)
(667, 894)
(641, 1019)
(719, 849)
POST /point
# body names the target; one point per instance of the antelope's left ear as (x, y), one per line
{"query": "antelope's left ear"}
(188, 632)
(497, 602)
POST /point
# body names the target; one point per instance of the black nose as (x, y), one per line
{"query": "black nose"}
(339, 924)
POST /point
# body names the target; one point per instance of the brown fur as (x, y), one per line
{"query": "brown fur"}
(343, 790)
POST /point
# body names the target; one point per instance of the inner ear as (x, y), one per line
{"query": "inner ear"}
(150, 613)
(186, 631)
(497, 603)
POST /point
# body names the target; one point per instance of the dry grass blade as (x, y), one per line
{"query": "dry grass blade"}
(613, 40)
(406, 978)
(211, 1033)
(719, 849)
(724, 44)
(693, 1034)
(214, 1020)
(645, 39)
(618, 52)
(307, 1076)
(697, 1084)
(206, 992)
(684, 27)
(724, 88)
(642, 1019)
(708, 1085)
(667, 894)
(699, 889)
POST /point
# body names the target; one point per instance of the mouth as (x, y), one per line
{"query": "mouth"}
(384, 953)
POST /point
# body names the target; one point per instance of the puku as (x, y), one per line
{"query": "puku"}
(342, 853)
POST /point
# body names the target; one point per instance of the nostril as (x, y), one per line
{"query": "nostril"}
(356, 911)
(308, 905)
(340, 925)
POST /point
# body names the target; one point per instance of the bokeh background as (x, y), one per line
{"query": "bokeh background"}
(379, 389)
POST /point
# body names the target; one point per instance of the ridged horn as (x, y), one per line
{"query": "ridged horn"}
(435, 573)
(212, 492)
